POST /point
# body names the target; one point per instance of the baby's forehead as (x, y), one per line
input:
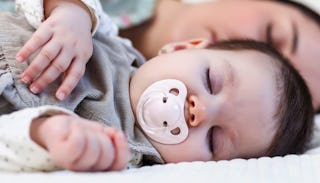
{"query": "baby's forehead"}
(247, 55)
(247, 61)
(250, 47)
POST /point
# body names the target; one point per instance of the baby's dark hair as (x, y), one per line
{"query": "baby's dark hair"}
(294, 112)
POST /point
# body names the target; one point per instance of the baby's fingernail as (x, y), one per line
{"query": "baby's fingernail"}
(61, 95)
(19, 58)
(122, 137)
(34, 89)
(26, 79)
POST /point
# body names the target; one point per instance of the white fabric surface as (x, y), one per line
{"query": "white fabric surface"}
(18, 152)
(291, 168)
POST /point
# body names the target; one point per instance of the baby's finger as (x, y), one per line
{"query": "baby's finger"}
(107, 153)
(90, 154)
(67, 151)
(123, 155)
(39, 38)
(42, 60)
(73, 76)
(111, 132)
(59, 65)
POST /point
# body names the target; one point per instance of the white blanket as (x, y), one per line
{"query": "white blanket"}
(291, 168)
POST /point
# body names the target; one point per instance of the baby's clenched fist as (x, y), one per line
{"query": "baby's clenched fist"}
(81, 145)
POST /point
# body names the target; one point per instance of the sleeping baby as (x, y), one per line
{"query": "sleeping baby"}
(196, 101)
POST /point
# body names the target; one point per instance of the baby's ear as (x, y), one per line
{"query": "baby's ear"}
(190, 44)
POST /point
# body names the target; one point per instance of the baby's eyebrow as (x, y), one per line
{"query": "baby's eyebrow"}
(230, 73)
(295, 38)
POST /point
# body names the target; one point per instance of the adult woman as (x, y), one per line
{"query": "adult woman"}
(292, 28)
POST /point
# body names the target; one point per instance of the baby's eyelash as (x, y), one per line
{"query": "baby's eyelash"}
(210, 140)
(208, 84)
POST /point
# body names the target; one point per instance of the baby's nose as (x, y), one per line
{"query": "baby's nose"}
(197, 111)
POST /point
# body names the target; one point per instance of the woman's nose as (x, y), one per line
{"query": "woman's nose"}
(198, 111)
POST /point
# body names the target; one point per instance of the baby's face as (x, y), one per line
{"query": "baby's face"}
(230, 105)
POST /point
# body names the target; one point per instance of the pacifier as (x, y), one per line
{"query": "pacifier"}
(160, 111)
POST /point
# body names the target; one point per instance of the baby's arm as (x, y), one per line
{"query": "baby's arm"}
(81, 145)
(65, 44)
(24, 140)
(17, 150)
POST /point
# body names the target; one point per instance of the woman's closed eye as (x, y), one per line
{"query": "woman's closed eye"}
(269, 38)
(278, 39)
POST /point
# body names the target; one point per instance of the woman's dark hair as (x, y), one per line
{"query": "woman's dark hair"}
(294, 112)
(307, 12)
(303, 9)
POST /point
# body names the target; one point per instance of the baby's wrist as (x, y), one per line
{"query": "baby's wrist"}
(39, 128)
(77, 5)
(35, 130)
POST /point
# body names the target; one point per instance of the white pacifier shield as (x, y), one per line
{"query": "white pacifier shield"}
(161, 111)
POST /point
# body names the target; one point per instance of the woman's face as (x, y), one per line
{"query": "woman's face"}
(283, 26)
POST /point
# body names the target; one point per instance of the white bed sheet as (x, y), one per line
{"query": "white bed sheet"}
(305, 168)
(291, 168)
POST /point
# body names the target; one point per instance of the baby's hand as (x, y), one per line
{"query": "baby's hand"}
(64, 43)
(78, 144)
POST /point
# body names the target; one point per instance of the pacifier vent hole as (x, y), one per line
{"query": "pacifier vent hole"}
(175, 131)
(164, 99)
(174, 91)
(165, 124)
